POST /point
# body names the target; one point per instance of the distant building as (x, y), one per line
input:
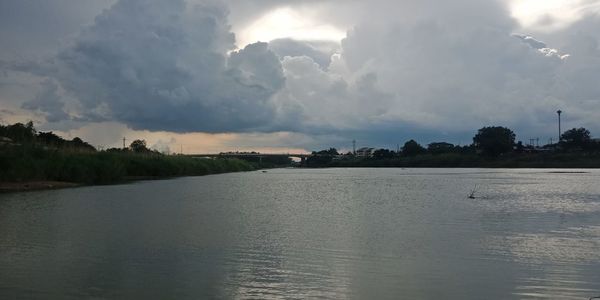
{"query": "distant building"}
(365, 152)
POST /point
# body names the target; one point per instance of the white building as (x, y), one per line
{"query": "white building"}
(365, 152)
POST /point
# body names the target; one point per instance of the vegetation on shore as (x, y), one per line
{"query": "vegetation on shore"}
(493, 147)
(453, 160)
(26, 155)
(30, 156)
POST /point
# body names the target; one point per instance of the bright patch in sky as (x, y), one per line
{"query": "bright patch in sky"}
(287, 23)
(551, 14)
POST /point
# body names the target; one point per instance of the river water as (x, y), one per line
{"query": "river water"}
(300, 233)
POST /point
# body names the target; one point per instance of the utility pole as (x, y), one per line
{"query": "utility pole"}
(354, 147)
(181, 145)
(559, 112)
(124, 142)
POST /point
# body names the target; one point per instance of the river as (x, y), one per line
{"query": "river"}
(303, 233)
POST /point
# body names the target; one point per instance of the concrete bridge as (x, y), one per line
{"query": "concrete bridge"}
(260, 156)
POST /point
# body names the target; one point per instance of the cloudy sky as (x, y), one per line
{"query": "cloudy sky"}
(298, 75)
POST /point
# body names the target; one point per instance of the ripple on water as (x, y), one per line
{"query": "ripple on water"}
(335, 233)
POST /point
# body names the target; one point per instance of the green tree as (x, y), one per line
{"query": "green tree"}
(576, 137)
(519, 147)
(79, 144)
(412, 148)
(19, 132)
(440, 148)
(330, 151)
(321, 158)
(139, 146)
(50, 139)
(494, 140)
(383, 154)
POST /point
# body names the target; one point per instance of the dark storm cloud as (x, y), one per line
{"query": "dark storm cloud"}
(30, 28)
(163, 65)
(449, 68)
(49, 102)
(409, 67)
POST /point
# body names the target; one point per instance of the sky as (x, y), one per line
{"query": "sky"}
(205, 76)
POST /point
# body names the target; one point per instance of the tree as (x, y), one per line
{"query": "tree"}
(440, 148)
(412, 148)
(520, 148)
(331, 151)
(139, 146)
(19, 132)
(79, 144)
(495, 140)
(50, 139)
(322, 158)
(383, 154)
(576, 137)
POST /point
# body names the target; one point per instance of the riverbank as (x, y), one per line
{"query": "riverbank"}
(9, 187)
(30, 186)
(30, 167)
(455, 160)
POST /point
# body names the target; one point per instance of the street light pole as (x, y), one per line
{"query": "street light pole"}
(559, 112)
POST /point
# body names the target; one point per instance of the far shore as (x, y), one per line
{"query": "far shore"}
(40, 185)
(8, 187)
(27, 186)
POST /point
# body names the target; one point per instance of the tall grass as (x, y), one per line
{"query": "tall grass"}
(29, 162)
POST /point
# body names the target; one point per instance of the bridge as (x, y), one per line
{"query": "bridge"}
(260, 156)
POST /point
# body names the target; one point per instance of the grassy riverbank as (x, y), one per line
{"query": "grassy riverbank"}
(455, 160)
(28, 163)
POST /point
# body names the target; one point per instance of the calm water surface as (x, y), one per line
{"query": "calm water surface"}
(295, 234)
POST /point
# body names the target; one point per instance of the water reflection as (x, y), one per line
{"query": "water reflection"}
(263, 275)
(331, 234)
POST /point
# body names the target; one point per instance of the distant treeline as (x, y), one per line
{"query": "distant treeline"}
(26, 134)
(26, 155)
(493, 147)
